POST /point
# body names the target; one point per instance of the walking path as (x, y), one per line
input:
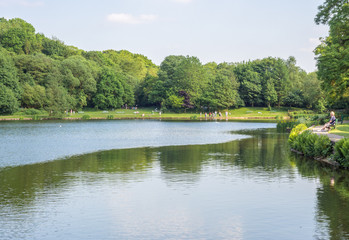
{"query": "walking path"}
(333, 137)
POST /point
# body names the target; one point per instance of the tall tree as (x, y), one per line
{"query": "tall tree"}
(110, 91)
(333, 52)
(8, 100)
(8, 73)
(16, 35)
(250, 84)
(79, 78)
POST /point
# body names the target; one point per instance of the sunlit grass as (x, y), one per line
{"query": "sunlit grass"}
(341, 130)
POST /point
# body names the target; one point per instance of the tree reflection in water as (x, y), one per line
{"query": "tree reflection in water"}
(263, 158)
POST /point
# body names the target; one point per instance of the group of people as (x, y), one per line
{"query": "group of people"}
(214, 114)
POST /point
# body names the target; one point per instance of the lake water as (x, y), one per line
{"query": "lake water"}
(164, 180)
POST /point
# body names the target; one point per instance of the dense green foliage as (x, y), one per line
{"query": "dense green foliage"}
(341, 150)
(295, 132)
(42, 73)
(310, 144)
(333, 52)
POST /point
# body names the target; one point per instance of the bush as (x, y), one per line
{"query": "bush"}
(110, 117)
(304, 143)
(295, 132)
(312, 145)
(323, 146)
(85, 117)
(341, 152)
(36, 117)
(32, 111)
(194, 117)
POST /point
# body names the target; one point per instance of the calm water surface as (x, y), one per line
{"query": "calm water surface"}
(233, 187)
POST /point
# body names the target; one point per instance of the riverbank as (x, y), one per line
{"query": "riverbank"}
(315, 146)
(243, 114)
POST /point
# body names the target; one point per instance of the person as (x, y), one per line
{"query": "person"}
(331, 122)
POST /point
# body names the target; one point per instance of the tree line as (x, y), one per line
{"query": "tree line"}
(44, 73)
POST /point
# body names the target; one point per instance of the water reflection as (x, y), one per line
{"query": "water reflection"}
(332, 197)
(248, 189)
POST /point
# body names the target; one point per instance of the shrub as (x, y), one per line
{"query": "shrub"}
(278, 117)
(110, 117)
(194, 117)
(36, 117)
(312, 145)
(32, 111)
(304, 143)
(322, 146)
(341, 152)
(85, 117)
(295, 132)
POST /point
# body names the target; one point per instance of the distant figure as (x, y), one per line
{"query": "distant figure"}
(330, 123)
(332, 181)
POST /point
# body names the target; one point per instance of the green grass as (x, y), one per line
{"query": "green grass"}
(341, 130)
(257, 112)
(149, 113)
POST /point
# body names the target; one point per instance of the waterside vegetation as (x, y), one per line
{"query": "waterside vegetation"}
(310, 144)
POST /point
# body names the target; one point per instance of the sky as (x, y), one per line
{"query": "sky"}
(212, 30)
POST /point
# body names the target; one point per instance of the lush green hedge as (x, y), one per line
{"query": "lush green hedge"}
(341, 152)
(310, 144)
(295, 132)
(313, 145)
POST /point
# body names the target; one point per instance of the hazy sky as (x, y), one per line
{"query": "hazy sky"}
(212, 30)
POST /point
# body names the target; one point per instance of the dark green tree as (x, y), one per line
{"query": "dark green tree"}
(16, 35)
(250, 84)
(333, 53)
(222, 90)
(110, 91)
(8, 73)
(8, 100)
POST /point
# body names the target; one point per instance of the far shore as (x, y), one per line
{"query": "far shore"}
(240, 114)
(145, 118)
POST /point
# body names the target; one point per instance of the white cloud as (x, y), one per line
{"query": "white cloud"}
(131, 19)
(23, 3)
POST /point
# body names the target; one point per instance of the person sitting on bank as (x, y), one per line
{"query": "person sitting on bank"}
(332, 122)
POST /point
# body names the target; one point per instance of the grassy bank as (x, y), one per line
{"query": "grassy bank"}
(341, 130)
(246, 113)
